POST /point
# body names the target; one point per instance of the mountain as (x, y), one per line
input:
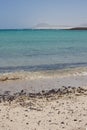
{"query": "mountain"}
(48, 26)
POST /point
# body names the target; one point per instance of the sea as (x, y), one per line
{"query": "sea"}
(31, 50)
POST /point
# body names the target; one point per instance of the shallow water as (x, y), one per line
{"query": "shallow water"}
(37, 50)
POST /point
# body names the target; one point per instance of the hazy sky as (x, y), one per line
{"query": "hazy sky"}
(26, 13)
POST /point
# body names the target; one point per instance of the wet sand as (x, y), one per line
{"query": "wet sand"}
(44, 80)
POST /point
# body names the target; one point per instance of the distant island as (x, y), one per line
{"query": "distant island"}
(78, 28)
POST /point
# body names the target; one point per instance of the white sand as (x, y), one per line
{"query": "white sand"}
(64, 113)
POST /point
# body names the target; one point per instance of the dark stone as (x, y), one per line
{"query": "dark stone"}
(62, 122)
(22, 92)
(75, 119)
(43, 91)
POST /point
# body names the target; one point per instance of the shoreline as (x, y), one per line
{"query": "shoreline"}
(77, 71)
(35, 82)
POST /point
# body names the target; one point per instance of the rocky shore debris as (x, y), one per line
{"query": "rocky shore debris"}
(22, 95)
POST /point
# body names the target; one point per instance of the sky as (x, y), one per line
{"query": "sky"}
(28, 13)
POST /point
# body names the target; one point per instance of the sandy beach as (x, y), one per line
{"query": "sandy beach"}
(64, 111)
(44, 101)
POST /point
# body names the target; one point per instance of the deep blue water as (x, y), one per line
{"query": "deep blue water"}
(33, 50)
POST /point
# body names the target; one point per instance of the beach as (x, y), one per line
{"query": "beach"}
(59, 110)
(44, 100)
(43, 65)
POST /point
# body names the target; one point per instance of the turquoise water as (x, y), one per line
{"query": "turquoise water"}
(32, 50)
